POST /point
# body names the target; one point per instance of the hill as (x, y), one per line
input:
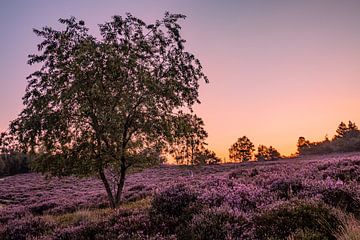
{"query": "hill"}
(312, 197)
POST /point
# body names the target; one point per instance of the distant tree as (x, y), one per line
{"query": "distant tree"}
(266, 153)
(242, 150)
(341, 130)
(351, 130)
(190, 140)
(206, 157)
(96, 105)
(274, 154)
(352, 126)
(12, 160)
(262, 153)
(302, 144)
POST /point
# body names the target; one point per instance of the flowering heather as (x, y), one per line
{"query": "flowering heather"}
(298, 197)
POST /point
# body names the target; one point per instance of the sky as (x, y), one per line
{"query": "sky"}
(278, 70)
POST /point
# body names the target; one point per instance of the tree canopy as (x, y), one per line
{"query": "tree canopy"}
(97, 105)
(242, 150)
(267, 153)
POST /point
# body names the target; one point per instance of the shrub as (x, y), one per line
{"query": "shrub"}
(289, 218)
(173, 207)
(336, 194)
(344, 198)
(286, 187)
(243, 197)
(25, 228)
(215, 223)
(87, 231)
(40, 208)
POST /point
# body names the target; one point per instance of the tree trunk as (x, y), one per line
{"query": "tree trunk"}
(107, 188)
(121, 183)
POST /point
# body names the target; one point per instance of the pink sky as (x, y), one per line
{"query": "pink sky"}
(277, 69)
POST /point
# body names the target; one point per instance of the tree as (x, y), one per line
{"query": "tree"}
(347, 131)
(12, 160)
(302, 144)
(206, 157)
(341, 130)
(190, 140)
(352, 131)
(262, 153)
(242, 150)
(274, 154)
(266, 153)
(97, 105)
(352, 126)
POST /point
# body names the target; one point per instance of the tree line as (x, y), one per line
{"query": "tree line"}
(346, 139)
(243, 150)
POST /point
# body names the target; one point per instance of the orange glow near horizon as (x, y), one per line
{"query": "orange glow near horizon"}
(278, 70)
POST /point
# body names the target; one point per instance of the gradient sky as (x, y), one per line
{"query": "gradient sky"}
(277, 69)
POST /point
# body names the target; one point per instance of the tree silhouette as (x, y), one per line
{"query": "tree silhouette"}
(274, 153)
(262, 153)
(242, 150)
(302, 144)
(96, 105)
(190, 140)
(266, 153)
(341, 130)
(346, 131)
(206, 157)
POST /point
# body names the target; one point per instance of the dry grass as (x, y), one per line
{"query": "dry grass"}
(350, 231)
(140, 204)
(94, 215)
(83, 215)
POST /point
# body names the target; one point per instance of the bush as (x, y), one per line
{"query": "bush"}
(346, 170)
(286, 187)
(87, 231)
(336, 194)
(25, 228)
(344, 198)
(173, 207)
(214, 223)
(14, 163)
(289, 218)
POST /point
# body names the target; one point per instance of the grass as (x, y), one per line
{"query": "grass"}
(351, 231)
(140, 204)
(94, 215)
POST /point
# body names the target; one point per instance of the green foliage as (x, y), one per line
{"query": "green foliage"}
(191, 139)
(97, 104)
(12, 161)
(172, 209)
(206, 157)
(347, 139)
(215, 223)
(281, 222)
(267, 153)
(242, 150)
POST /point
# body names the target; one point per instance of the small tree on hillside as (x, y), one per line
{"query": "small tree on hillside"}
(190, 139)
(302, 145)
(262, 153)
(274, 153)
(351, 130)
(266, 153)
(242, 150)
(206, 157)
(341, 130)
(104, 104)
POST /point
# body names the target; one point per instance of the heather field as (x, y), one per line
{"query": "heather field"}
(314, 197)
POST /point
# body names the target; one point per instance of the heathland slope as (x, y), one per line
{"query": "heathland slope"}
(314, 197)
